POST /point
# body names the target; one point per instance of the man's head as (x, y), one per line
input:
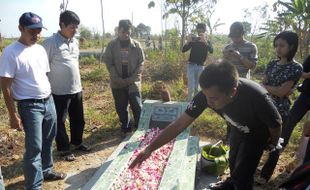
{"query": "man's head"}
(201, 28)
(68, 22)
(30, 26)
(124, 29)
(219, 83)
(236, 31)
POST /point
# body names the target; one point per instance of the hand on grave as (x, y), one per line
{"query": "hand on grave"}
(143, 155)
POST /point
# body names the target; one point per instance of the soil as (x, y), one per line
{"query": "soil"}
(103, 141)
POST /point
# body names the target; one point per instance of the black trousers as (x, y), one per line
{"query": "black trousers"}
(244, 156)
(300, 108)
(71, 104)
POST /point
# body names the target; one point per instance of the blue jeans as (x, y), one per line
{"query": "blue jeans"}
(193, 73)
(1, 181)
(121, 99)
(39, 121)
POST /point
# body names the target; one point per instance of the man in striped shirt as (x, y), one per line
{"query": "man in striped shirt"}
(241, 53)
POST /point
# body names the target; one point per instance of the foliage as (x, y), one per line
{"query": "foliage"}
(164, 67)
(142, 31)
(87, 60)
(187, 10)
(85, 32)
(97, 74)
(292, 15)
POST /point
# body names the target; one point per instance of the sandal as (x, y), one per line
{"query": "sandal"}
(70, 157)
(53, 176)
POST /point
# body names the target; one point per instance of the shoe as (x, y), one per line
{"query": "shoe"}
(82, 147)
(126, 130)
(221, 185)
(70, 158)
(53, 176)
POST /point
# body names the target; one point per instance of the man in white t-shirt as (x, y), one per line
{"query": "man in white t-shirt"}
(23, 69)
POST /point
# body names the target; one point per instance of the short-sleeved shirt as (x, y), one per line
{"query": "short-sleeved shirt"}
(246, 49)
(275, 75)
(251, 111)
(27, 66)
(63, 56)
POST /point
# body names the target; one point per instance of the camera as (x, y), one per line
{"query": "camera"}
(195, 38)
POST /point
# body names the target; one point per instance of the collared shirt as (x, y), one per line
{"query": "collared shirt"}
(63, 56)
(27, 66)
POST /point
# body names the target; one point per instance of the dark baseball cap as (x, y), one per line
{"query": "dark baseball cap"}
(125, 24)
(31, 20)
(236, 30)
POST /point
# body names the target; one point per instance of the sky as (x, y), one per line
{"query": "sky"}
(113, 10)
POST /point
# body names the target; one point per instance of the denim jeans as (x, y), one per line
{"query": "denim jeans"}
(1, 180)
(71, 104)
(193, 73)
(39, 121)
(121, 99)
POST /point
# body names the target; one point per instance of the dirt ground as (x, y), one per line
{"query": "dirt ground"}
(102, 140)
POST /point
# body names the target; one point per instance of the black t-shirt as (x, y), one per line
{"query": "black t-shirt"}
(124, 57)
(199, 51)
(306, 83)
(251, 111)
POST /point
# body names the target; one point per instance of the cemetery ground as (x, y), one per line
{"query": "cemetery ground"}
(102, 133)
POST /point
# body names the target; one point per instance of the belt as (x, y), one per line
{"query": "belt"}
(43, 100)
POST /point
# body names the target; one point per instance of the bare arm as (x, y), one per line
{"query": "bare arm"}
(280, 91)
(169, 133)
(15, 121)
(305, 75)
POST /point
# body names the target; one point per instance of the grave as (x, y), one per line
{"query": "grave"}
(180, 172)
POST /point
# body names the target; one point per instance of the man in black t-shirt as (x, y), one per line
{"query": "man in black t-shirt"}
(199, 48)
(245, 105)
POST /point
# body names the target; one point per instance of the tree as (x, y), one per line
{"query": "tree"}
(85, 32)
(143, 31)
(64, 5)
(186, 9)
(297, 13)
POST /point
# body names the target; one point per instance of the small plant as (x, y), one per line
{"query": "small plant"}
(88, 60)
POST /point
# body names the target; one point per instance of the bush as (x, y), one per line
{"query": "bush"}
(98, 74)
(88, 60)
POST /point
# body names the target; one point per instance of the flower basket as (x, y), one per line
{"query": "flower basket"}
(214, 158)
